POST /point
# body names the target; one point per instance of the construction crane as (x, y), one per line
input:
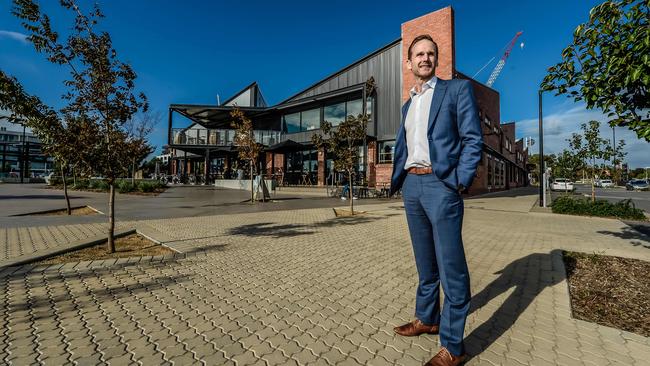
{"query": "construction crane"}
(502, 61)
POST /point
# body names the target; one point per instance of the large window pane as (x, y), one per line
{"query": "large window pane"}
(354, 108)
(292, 122)
(335, 113)
(310, 120)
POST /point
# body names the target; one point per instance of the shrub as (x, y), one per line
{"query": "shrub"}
(103, 185)
(146, 186)
(124, 186)
(158, 184)
(94, 184)
(623, 209)
(82, 184)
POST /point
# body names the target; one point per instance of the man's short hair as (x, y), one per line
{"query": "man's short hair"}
(418, 39)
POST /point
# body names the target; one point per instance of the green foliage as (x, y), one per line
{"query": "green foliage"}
(589, 147)
(550, 160)
(568, 165)
(146, 186)
(95, 184)
(608, 64)
(579, 206)
(124, 186)
(81, 184)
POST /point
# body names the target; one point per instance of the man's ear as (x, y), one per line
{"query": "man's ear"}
(409, 64)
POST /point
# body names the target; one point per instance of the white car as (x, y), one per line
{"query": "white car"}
(562, 184)
(606, 183)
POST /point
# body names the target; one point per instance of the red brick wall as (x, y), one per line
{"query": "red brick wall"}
(372, 160)
(279, 162)
(509, 132)
(488, 103)
(440, 26)
(383, 173)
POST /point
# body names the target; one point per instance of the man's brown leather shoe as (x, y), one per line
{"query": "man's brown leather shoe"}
(415, 328)
(444, 358)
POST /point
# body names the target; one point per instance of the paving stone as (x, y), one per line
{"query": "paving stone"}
(316, 299)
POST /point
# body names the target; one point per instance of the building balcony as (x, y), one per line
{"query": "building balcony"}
(218, 137)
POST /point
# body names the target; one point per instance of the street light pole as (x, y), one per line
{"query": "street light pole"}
(542, 199)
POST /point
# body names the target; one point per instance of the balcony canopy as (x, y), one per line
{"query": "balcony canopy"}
(212, 116)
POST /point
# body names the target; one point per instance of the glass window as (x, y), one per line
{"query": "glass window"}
(369, 107)
(310, 161)
(354, 108)
(334, 114)
(292, 123)
(310, 120)
(386, 150)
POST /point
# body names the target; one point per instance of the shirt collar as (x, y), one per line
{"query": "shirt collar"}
(431, 84)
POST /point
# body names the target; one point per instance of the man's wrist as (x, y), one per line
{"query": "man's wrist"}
(461, 188)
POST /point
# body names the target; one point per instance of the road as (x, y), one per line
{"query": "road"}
(641, 199)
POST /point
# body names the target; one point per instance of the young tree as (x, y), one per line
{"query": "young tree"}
(61, 139)
(549, 162)
(568, 165)
(589, 147)
(139, 129)
(344, 140)
(100, 91)
(607, 65)
(249, 150)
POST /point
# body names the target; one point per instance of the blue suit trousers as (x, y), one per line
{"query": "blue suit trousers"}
(434, 212)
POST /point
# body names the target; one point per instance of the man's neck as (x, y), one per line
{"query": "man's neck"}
(419, 82)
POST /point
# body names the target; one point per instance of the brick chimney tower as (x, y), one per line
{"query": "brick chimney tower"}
(440, 26)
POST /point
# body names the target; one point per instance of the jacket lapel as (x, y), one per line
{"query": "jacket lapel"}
(402, 129)
(436, 102)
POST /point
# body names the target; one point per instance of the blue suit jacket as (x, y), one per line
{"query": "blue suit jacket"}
(454, 133)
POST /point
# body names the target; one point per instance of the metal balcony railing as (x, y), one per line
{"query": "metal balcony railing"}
(216, 137)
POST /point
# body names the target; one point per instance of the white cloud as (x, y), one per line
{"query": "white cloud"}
(559, 126)
(14, 35)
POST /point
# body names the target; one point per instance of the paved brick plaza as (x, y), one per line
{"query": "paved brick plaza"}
(300, 287)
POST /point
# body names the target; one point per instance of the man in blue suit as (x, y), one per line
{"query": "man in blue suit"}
(437, 150)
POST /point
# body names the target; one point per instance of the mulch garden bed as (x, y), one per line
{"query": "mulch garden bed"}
(610, 291)
(341, 212)
(133, 245)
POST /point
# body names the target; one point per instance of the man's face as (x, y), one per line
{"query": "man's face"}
(423, 60)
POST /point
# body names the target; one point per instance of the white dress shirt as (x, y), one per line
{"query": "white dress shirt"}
(416, 125)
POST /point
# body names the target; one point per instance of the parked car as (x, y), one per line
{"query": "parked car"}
(606, 183)
(562, 184)
(637, 185)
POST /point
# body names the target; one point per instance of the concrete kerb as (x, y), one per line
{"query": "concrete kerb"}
(80, 244)
(26, 263)
(55, 210)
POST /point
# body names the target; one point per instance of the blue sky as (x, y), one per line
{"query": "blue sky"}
(190, 51)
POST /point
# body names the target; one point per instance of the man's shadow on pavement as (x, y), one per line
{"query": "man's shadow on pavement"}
(529, 276)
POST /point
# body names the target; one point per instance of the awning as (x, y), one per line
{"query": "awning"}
(286, 146)
(211, 116)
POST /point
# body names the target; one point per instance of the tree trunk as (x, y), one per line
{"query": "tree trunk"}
(351, 193)
(111, 217)
(65, 192)
(74, 178)
(593, 186)
(133, 172)
(252, 192)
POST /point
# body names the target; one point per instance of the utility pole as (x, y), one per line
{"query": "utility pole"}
(542, 200)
